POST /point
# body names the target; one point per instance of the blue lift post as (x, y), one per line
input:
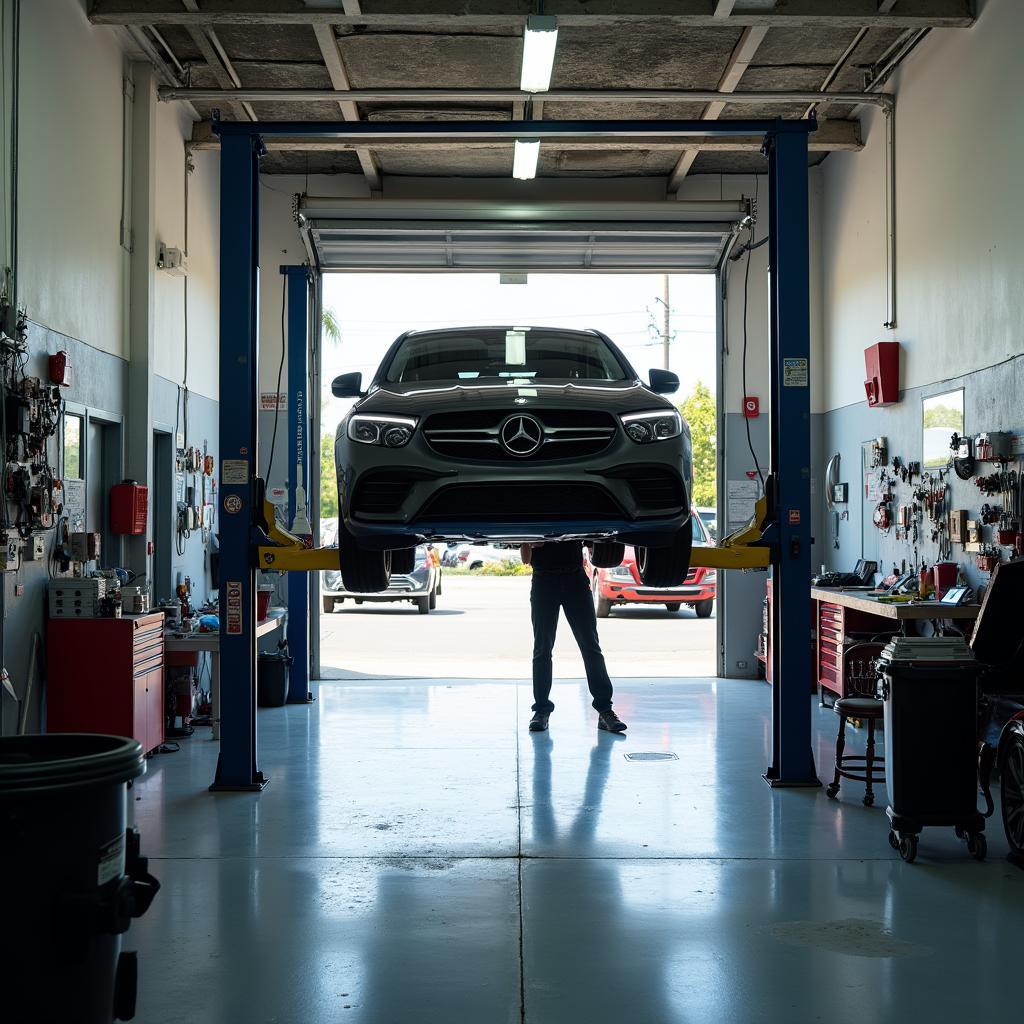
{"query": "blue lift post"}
(786, 145)
(298, 462)
(789, 385)
(239, 451)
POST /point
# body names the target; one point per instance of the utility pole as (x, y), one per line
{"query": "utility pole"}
(665, 335)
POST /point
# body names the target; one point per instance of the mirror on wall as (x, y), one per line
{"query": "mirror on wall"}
(941, 417)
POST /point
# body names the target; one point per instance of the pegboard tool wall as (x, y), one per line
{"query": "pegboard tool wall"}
(991, 402)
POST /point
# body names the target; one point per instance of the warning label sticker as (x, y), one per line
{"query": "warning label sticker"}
(234, 471)
(234, 607)
(794, 515)
(794, 373)
(111, 863)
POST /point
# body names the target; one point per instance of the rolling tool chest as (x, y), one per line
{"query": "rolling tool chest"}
(107, 676)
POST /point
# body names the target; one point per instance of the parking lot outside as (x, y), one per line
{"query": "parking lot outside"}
(481, 627)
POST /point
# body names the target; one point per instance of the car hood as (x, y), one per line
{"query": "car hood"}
(424, 398)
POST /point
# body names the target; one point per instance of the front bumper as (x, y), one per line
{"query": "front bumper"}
(626, 593)
(395, 497)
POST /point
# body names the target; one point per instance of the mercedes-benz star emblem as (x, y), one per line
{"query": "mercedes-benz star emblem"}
(521, 435)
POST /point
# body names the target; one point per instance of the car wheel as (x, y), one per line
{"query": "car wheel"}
(403, 560)
(438, 590)
(607, 554)
(328, 605)
(704, 608)
(475, 566)
(1011, 787)
(362, 571)
(423, 604)
(433, 600)
(674, 606)
(602, 606)
(667, 566)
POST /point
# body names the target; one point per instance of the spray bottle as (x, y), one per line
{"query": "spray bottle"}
(300, 523)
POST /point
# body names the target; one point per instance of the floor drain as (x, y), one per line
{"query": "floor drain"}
(652, 755)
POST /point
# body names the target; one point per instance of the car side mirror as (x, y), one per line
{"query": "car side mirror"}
(349, 385)
(664, 382)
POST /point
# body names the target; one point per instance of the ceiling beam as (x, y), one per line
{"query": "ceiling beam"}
(885, 6)
(328, 44)
(723, 8)
(830, 136)
(217, 61)
(690, 13)
(739, 60)
(497, 96)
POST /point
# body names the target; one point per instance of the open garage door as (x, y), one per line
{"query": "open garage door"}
(643, 237)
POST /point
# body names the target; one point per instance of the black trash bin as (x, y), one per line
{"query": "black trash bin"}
(73, 877)
(272, 680)
(929, 686)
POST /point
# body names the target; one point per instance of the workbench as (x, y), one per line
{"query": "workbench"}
(209, 643)
(844, 618)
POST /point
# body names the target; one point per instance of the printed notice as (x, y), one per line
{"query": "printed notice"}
(272, 401)
(794, 373)
(74, 504)
(873, 487)
(741, 499)
(234, 471)
(111, 861)
(234, 607)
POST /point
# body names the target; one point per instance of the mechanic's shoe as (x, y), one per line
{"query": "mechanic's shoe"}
(539, 722)
(610, 722)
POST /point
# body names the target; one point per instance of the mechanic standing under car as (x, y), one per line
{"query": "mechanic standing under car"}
(559, 582)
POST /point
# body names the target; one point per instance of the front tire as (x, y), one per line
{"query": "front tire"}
(667, 566)
(704, 608)
(673, 606)
(602, 606)
(362, 571)
(328, 603)
(433, 600)
(1011, 788)
(423, 605)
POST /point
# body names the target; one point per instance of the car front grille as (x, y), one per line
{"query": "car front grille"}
(652, 487)
(521, 502)
(473, 436)
(379, 493)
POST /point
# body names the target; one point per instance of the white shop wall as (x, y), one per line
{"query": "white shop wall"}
(73, 269)
(960, 247)
(174, 126)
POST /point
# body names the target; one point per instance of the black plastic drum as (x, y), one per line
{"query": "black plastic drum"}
(73, 877)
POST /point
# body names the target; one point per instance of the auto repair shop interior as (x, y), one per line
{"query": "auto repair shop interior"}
(196, 825)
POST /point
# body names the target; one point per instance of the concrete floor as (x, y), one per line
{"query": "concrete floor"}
(419, 857)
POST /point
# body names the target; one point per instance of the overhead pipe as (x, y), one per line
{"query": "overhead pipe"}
(168, 93)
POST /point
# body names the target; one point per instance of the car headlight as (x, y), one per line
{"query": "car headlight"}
(620, 572)
(386, 431)
(659, 425)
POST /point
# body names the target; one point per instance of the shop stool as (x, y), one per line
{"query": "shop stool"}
(862, 704)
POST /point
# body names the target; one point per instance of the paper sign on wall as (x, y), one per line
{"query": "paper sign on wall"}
(741, 499)
(270, 401)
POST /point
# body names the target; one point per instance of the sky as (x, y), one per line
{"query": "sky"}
(373, 309)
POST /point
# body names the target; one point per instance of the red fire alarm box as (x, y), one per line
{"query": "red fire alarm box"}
(60, 370)
(882, 366)
(129, 506)
(751, 407)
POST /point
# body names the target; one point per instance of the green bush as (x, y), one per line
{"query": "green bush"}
(493, 569)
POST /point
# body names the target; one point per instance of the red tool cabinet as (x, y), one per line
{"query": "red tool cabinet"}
(107, 676)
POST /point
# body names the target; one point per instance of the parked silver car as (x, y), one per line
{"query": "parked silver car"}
(420, 587)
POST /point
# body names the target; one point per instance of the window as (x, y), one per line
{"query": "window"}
(72, 446)
(520, 353)
(942, 416)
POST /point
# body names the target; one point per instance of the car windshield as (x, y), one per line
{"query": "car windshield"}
(496, 353)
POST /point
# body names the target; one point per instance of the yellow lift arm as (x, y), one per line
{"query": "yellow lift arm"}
(744, 549)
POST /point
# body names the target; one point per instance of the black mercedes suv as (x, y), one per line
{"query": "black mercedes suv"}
(512, 434)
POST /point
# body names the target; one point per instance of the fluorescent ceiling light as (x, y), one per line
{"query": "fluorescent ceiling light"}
(524, 164)
(538, 52)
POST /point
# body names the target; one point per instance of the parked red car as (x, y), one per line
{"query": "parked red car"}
(622, 585)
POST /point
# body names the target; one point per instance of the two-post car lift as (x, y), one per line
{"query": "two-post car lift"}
(779, 536)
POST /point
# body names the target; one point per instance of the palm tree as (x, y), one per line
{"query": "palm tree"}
(331, 327)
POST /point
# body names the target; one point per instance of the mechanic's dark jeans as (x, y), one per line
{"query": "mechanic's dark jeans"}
(569, 591)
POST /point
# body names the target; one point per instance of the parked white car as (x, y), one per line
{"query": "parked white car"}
(476, 556)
